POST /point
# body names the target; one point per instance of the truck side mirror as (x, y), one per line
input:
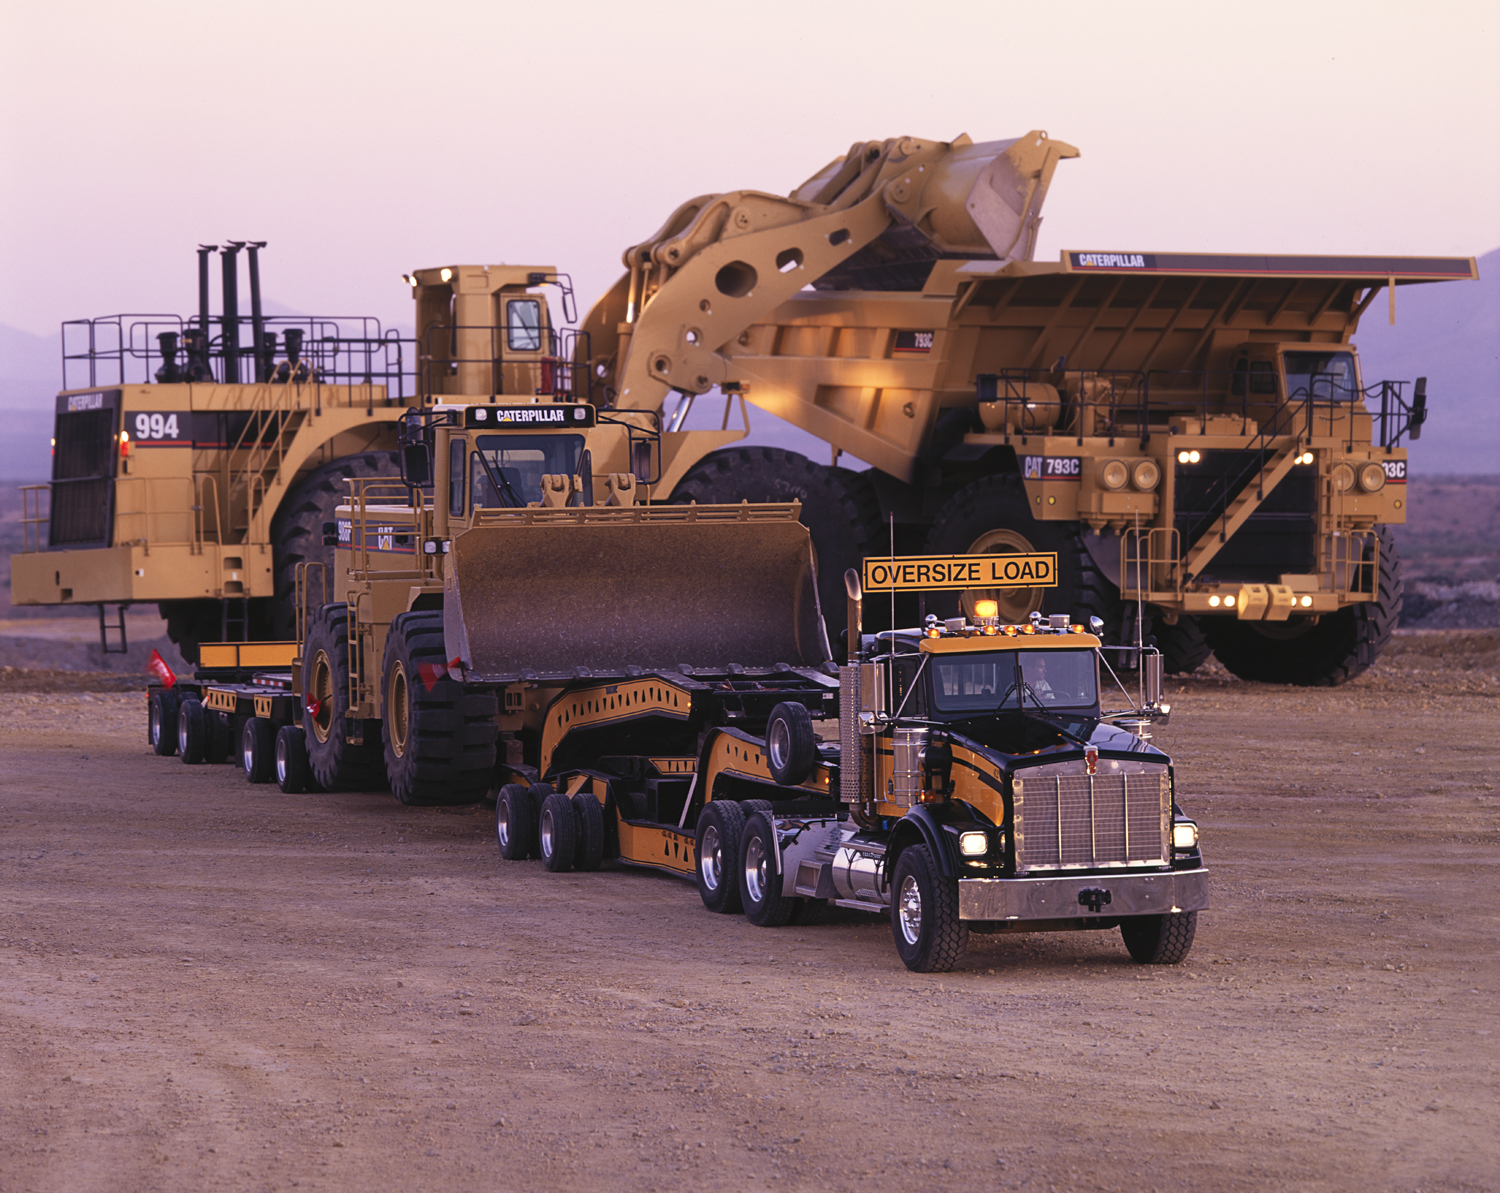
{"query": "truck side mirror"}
(1418, 409)
(1151, 677)
(416, 465)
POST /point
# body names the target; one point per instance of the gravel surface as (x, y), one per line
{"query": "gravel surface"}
(208, 985)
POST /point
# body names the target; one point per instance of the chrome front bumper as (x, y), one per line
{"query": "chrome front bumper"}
(1082, 898)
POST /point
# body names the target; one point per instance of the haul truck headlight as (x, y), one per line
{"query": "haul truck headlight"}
(1371, 477)
(1114, 474)
(1342, 477)
(1304, 458)
(1184, 836)
(1145, 475)
(1188, 457)
(973, 844)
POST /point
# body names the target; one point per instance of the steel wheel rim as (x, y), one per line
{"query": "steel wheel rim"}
(547, 828)
(909, 909)
(711, 858)
(321, 690)
(1015, 604)
(779, 743)
(755, 869)
(155, 715)
(398, 711)
(182, 732)
(247, 749)
(502, 823)
(281, 763)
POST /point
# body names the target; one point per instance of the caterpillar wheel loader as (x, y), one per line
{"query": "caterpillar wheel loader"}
(1190, 433)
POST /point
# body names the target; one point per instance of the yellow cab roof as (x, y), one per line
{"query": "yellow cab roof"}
(978, 643)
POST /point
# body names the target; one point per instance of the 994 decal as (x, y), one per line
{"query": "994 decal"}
(1051, 468)
(147, 427)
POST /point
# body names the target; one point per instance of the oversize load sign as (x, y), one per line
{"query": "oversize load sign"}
(926, 573)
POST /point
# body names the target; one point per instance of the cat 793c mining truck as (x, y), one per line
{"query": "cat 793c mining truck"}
(1190, 433)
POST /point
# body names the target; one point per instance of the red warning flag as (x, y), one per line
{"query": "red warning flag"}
(313, 705)
(157, 666)
(430, 673)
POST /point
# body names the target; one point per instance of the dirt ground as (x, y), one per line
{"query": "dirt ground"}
(208, 985)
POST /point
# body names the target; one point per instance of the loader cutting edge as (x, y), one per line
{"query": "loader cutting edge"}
(528, 593)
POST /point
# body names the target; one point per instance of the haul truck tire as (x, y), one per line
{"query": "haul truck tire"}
(1331, 651)
(924, 914)
(336, 763)
(258, 750)
(992, 516)
(191, 731)
(838, 508)
(293, 773)
(1159, 939)
(1183, 647)
(439, 737)
(760, 876)
(590, 817)
(161, 722)
(721, 827)
(513, 820)
(297, 529)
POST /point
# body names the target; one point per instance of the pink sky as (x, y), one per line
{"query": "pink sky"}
(363, 140)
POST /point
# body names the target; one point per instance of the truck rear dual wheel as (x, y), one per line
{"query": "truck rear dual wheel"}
(993, 516)
(557, 833)
(337, 764)
(760, 877)
(161, 722)
(191, 730)
(1159, 939)
(513, 817)
(293, 771)
(721, 829)
(924, 913)
(1331, 651)
(439, 735)
(258, 750)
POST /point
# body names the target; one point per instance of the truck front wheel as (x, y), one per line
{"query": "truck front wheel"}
(924, 914)
(1159, 939)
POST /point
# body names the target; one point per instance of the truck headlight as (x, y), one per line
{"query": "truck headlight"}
(973, 844)
(1145, 475)
(1114, 474)
(1184, 836)
(1371, 477)
(1342, 476)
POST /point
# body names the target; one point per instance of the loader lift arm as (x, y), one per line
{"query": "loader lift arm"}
(721, 262)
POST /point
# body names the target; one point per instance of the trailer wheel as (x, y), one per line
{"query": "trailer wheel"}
(439, 736)
(760, 876)
(218, 745)
(590, 822)
(513, 822)
(924, 914)
(191, 731)
(557, 832)
(1331, 651)
(293, 772)
(721, 826)
(839, 508)
(992, 514)
(161, 722)
(1159, 939)
(337, 764)
(791, 744)
(258, 750)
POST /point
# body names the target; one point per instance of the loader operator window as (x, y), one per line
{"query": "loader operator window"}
(1038, 680)
(1323, 376)
(523, 325)
(519, 462)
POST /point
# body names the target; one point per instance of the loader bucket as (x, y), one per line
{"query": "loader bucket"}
(544, 593)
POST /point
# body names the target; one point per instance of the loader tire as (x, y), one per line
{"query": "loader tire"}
(513, 820)
(439, 735)
(1183, 647)
(557, 832)
(1331, 651)
(1159, 939)
(293, 773)
(161, 722)
(760, 876)
(192, 731)
(590, 819)
(839, 509)
(721, 826)
(297, 530)
(992, 516)
(336, 763)
(258, 750)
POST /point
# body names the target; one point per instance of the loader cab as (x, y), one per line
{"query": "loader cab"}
(510, 457)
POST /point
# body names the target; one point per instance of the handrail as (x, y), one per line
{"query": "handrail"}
(32, 522)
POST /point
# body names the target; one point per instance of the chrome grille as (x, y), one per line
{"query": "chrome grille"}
(1067, 819)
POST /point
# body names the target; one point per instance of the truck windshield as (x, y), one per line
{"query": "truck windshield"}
(1323, 376)
(1014, 679)
(520, 461)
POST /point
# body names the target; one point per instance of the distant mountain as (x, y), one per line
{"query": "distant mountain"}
(1448, 332)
